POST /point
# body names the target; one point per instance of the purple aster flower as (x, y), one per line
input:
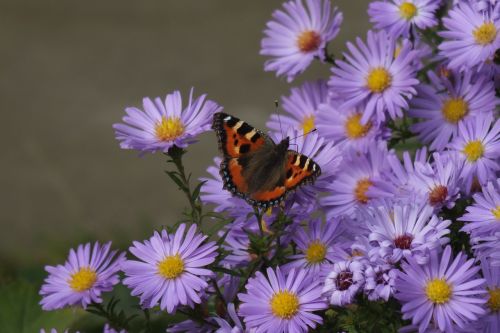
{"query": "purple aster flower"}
(281, 302)
(483, 217)
(402, 171)
(164, 124)
(380, 280)
(301, 108)
(490, 323)
(487, 248)
(480, 5)
(444, 104)
(109, 329)
(53, 330)
(471, 36)
(345, 128)
(343, 282)
(398, 16)
(372, 75)
(402, 230)
(358, 181)
(316, 246)
(88, 272)
(437, 182)
(448, 293)
(478, 145)
(297, 34)
(170, 271)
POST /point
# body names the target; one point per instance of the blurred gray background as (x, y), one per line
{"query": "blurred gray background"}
(68, 69)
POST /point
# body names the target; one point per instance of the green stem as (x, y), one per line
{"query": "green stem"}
(179, 177)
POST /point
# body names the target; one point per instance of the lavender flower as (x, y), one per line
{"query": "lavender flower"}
(471, 37)
(483, 217)
(281, 302)
(397, 17)
(343, 282)
(478, 145)
(358, 182)
(444, 104)
(297, 34)
(345, 128)
(448, 293)
(402, 230)
(88, 272)
(170, 271)
(301, 108)
(380, 280)
(109, 329)
(316, 247)
(164, 124)
(372, 75)
(437, 182)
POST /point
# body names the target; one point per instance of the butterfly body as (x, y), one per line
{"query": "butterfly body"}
(254, 167)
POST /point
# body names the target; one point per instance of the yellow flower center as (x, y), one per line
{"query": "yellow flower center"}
(171, 267)
(316, 252)
(485, 33)
(83, 280)
(353, 127)
(407, 10)
(454, 109)
(378, 80)
(361, 188)
(473, 150)
(284, 304)
(169, 128)
(308, 124)
(496, 212)
(494, 300)
(308, 41)
(438, 291)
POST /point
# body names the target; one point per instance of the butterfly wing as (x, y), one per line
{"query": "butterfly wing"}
(300, 169)
(250, 169)
(236, 137)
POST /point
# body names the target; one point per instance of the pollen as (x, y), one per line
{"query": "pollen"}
(485, 34)
(316, 252)
(171, 267)
(408, 10)
(353, 127)
(438, 195)
(308, 124)
(473, 150)
(454, 109)
(403, 242)
(496, 212)
(494, 300)
(284, 304)
(308, 41)
(83, 280)
(360, 190)
(344, 280)
(378, 80)
(169, 128)
(438, 291)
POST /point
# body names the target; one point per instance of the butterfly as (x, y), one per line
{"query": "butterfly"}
(257, 169)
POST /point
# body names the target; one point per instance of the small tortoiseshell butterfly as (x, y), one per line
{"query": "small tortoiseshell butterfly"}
(257, 169)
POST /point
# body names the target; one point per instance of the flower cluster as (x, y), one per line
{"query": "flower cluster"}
(405, 212)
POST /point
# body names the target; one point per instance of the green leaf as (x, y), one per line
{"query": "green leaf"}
(20, 310)
(196, 191)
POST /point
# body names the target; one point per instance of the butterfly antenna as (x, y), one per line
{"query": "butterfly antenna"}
(299, 136)
(277, 110)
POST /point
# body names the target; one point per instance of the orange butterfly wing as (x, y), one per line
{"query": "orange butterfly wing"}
(236, 139)
(235, 136)
(300, 169)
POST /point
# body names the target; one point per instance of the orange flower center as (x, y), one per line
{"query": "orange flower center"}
(308, 41)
